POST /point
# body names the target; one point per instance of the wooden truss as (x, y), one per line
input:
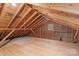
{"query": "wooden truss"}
(35, 20)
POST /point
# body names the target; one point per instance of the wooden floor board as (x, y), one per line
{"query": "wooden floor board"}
(31, 46)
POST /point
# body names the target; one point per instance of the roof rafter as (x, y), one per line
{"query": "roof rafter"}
(33, 20)
(54, 16)
(1, 7)
(20, 26)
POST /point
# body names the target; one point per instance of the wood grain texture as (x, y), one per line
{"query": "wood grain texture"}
(58, 17)
(55, 33)
(31, 46)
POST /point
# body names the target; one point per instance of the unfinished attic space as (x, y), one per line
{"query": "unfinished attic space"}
(39, 29)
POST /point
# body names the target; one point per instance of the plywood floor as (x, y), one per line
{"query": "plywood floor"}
(31, 46)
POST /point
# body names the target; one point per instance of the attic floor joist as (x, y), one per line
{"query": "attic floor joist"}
(32, 46)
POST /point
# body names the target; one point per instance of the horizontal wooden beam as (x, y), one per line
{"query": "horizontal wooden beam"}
(15, 29)
(13, 18)
(20, 26)
(18, 12)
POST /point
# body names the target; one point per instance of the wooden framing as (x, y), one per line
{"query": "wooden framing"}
(17, 13)
(29, 19)
(38, 23)
(33, 20)
(30, 9)
(20, 20)
(39, 20)
(14, 28)
(32, 26)
(55, 10)
(1, 7)
(75, 36)
(20, 27)
(32, 31)
(60, 19)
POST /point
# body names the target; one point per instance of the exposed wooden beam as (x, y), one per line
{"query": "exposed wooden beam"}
(33, 21)
(63, 21)
(29, 19)
(14, 28)
(20, 27)
(75, 36)
(56, 10)
(30, 9)
(69, 22)
(17, 13)
(32, 31)
(1, 7)
(7, 36)
(38, 23)
(32, 26)
(3, 43)
(26, 13)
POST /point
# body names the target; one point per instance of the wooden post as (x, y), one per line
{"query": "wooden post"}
(32, 31)
(75, 36)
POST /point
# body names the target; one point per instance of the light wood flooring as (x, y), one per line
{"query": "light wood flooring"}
(31, 46)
